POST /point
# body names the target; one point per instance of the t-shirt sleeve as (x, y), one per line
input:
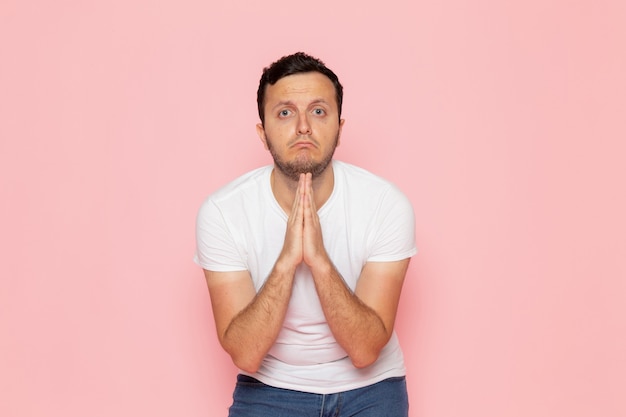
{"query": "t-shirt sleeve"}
(216, 249)
(394, 238)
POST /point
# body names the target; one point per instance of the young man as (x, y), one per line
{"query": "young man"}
(305, 260)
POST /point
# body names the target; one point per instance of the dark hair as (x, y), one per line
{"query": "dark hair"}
(295, 64)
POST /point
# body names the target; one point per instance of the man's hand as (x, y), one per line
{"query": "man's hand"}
(303, 238)
(314, 252)
(292, 253)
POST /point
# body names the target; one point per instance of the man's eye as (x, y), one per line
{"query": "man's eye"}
(319, 112)
(284, 113)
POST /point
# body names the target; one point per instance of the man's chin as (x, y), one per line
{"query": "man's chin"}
(302, 164)
(293, 171)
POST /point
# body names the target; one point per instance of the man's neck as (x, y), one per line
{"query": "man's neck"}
(284, 188)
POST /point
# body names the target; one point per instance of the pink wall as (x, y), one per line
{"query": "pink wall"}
(504, 122)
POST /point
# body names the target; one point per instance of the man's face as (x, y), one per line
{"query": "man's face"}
(302, 126)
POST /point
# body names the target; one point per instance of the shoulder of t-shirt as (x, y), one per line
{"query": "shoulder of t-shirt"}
(366, 178)
(250, 181)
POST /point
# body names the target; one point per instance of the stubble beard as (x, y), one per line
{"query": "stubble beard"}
(301, 165)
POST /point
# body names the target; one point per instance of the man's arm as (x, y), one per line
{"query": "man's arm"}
(248, 323)
(362, 322)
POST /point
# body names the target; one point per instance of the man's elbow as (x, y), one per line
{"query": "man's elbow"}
(364, 359)
(246, 363)
(366, 354)
(250, 368)
(244, 359)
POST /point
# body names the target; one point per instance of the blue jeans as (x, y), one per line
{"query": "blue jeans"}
(252, 398)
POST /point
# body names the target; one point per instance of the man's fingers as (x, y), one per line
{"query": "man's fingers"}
(296, 209)
(310, 209)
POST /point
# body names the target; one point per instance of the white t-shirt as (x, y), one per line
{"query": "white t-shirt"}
(365, 219)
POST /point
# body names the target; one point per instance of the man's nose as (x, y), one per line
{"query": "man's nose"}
(304, 127)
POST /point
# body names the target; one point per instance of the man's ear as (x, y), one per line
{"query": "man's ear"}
(261, 132)
(341, 122)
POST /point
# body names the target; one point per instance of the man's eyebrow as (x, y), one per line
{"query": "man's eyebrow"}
(291, 103)
(319, 101)
(283, 103)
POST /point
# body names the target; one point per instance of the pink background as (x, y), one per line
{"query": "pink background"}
(504, 122)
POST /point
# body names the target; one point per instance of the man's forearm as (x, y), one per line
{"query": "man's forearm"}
(253, 331)
(356, 327)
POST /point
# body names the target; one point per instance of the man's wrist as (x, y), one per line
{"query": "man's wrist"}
(284, 267)
(322, 266)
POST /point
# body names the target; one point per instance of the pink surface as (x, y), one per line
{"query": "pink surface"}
(504, 122)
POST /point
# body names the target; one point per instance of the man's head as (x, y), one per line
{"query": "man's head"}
(300, 108)
(295, 64)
